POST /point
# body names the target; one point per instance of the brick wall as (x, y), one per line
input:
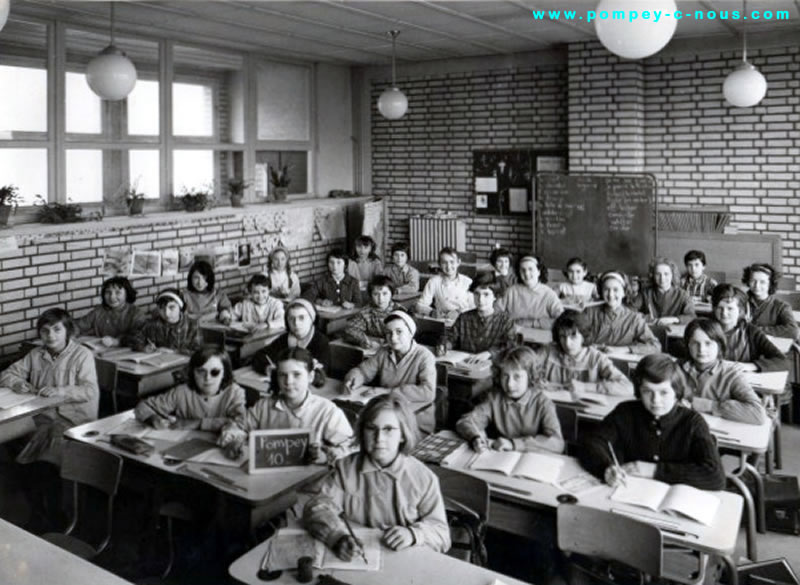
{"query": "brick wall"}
(64, 269)
(424, 161)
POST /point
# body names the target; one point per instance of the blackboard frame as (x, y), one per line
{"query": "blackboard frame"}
(593, 254)
(253, 465)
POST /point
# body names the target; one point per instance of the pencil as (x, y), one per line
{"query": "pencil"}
(616, 461)
(350, 530)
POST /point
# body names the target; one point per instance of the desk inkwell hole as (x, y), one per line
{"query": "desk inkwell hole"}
(88, 434)
(267, 575)
(566, 499)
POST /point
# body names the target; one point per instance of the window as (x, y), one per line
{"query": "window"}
(284, 95)
(83, 106)
(143, 172)
(27, 169)
(296, 163)
(143, 109)
(192, 109)
(84, 176)
(23, 111)
(192, 169)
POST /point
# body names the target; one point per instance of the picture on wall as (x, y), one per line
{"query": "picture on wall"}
(146, 263)
(169, 262)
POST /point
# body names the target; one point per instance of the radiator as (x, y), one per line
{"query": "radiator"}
(428, 236)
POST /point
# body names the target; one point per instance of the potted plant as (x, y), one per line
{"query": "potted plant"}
(58, 212)
(135, 201)
(236, 189)
(196, 199)
(9, 200)
(279, 179)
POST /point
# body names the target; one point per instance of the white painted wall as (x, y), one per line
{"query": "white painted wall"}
(334, 145)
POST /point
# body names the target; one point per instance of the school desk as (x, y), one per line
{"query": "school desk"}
(333, 318)
(784, 344)
(18, 420)
(536, 335)
(26, 558)
(265, 494)
(407, 300)
(514, 502)
(416, 565)
(142, 379)
(240, 343)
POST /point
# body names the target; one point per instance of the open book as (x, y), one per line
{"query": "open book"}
(536, 466)
(95, 344)
(289, 544)
(682, 500)
(9, 398)
(199, 450)
(563, 396)
(360, 395)
(458, 362)
(156, 359)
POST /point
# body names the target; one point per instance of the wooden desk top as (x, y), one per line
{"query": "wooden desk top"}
(239, 336)
(29, 559)
(142, 370)
(412, 566)
(784, 344)
(335, 312)
(720, 537)
(535, 335)
(260, 489)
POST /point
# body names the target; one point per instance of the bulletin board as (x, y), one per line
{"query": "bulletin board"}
(503, 179)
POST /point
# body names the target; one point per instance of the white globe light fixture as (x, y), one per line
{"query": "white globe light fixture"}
(111, 75)
(393, 103)
(634, 39)
(745, 86)
(5, 8)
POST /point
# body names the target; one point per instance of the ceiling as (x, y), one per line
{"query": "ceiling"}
(355, 32)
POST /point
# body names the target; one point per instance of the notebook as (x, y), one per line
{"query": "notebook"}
(360, 395)
(435, 448)
(156, 359)
(536, 466)
(458, 362)
(677, 500)
(289, 544)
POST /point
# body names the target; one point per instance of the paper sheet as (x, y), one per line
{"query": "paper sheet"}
(517, 200)
(486, 184)
(330, 223)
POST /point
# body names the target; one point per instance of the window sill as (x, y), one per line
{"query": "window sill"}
(157, 217)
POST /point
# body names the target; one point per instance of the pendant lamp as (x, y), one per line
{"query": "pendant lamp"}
(639, 38)
(111, 75)
(5, 8)
(745, 86)
(393, 103)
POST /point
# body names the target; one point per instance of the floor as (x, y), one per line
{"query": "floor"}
(507, 555)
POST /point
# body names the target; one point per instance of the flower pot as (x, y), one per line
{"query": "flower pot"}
(5, 213)
(281, 193)
(236, 200)
(136, 207)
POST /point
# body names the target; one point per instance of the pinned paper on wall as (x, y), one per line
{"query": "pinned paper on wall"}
(185, 259)
(486, 184)
(517, 200)
(169, 262)
(298, 230)
(481, 201)
(330, 222)
(146, 263)
(226, 257)
(373, 223)
(244, 254)
(116, 261)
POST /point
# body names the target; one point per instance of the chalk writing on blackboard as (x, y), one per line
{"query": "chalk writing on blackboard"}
(278, 449)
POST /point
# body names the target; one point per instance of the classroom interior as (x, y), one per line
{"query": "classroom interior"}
(227, 91)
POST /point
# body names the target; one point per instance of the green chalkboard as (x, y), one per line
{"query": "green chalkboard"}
(608, 220)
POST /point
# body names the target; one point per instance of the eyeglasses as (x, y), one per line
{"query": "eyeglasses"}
(213, 372)
(376, 431)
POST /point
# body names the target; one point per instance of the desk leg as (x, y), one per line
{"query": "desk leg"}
(733, 575)
(761, 516)
(749, 509)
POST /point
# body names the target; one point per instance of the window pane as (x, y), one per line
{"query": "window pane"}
(192, 109)
(296, 162)
(83, 106)
(84, 176)
(23, 111)
(143, 109)
(143, 169)
(193, 169)
(27, 169)
(283, 101)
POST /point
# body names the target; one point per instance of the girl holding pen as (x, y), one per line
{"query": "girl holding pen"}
(654, 437)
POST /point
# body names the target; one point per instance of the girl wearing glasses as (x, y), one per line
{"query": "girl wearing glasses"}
(380, 487)
(291, 405)
(209, 399)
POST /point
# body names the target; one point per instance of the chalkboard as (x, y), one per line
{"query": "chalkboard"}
(608, 220)
(278, 449)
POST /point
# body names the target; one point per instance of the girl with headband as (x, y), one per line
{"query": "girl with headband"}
(531, 303)
(169, 328)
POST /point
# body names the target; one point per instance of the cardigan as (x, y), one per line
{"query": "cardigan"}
(185, 403)
(180, 336)
(774, 317)
(406, 493)
(368, 323)
(731, 395)
(679, 443)
(364, 270)
(623, 327)
(199, 304)
(531, 307)
(318, 347)
(590, 365)
(72, 371)
(747, 343)
(700, 287)
(673, 303)
(327, 289)
(530, 422)
(405, 279)
(104, 321)
(475, 334)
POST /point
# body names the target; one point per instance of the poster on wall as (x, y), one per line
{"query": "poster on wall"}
(330, 223)
(298, 232)
(146, 263)
(226, 257)
(185, 259)
(244, 254)
(374, 223)
(169, 262)
(116, 261)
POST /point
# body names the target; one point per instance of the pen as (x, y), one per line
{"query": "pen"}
(217, 476)
(616, 462)
(350, 530)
